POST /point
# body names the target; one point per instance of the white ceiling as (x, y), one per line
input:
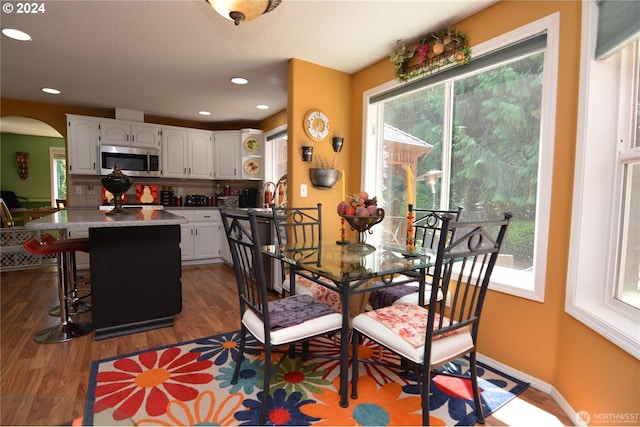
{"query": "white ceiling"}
(175, 58)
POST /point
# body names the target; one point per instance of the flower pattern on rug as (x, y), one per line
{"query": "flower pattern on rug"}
(371, 408)
(296, 375)
(282, 410)
(176, 386)
(222, 348)
(250, 377)
(205, 410)
(149, 379)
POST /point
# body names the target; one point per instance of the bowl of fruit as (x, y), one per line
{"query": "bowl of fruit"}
(362, 213)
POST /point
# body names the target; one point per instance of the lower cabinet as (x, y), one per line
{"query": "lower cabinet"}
(200, 237)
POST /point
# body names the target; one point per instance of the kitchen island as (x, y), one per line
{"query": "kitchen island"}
(135, 266)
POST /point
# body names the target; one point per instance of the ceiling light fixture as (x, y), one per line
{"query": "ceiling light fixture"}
(12, 33)
(262, 107)
(239, 80)
(243, 10)
(51, 91)
(204, 113)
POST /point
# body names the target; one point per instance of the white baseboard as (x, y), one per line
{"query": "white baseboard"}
(537, 384)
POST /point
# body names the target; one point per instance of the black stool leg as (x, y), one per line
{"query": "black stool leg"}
(67, 329)
(77, 305)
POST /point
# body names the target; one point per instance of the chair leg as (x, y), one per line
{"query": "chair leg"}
(426, 392)
(265, 385)
(355, 342)
(236, 371)
(474, 386)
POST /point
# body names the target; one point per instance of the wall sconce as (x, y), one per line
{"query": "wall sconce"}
(23, 168)
(337, 142)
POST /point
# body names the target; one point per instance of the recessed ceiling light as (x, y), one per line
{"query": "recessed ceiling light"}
(239, 80)
(51, 91)
(16, 34)
(204, 113)
(262, 107)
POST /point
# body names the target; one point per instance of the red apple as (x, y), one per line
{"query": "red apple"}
(351, 210)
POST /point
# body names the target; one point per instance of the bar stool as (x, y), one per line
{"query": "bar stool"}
(64, 250)
(77, 306)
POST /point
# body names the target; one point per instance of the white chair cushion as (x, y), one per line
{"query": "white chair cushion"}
(310, 328)
(442, 349)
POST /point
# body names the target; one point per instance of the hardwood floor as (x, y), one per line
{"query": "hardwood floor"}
(46, 384)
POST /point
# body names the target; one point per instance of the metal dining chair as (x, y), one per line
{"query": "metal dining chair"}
(428, 230)
(286, 321)
(426, 338)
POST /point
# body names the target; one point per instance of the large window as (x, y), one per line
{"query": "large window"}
(603, 281)
(58, 174)
(473, 137)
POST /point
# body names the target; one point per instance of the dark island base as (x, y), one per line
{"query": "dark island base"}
(135, 278)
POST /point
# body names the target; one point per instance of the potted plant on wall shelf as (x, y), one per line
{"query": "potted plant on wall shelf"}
(325, 174)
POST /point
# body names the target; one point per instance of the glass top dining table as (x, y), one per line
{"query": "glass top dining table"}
(353, 272)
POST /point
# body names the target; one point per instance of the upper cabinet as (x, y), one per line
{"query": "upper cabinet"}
(118, 132)
(199, 154)
(187, 153)
(226, 154)
(174, 152)
(82, 141)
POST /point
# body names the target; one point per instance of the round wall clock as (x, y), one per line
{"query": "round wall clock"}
(316, 125)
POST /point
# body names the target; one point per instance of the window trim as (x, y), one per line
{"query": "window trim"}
(504, 280)
(591, 265)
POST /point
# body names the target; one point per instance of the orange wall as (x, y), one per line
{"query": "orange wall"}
(312, 87)
(540, 339)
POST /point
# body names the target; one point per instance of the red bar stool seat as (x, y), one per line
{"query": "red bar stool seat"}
(77, 306)
(64, 251)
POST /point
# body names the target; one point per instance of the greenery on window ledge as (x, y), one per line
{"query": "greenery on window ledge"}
(430, 53)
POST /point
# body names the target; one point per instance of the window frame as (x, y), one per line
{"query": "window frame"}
(590, 291)
(505, 280)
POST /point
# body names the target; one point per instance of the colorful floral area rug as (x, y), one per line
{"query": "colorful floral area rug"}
(190, 384)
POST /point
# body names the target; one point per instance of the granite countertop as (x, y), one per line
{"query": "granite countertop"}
(91, 218)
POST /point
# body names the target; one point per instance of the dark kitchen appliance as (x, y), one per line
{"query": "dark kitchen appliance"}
(193, 200)
(132, 161)
(249, 198)
(166, 198)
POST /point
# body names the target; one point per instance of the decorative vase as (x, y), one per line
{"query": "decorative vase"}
(324, 178)
(117, 184)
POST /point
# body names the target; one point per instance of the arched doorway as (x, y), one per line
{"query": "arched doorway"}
(46, 161)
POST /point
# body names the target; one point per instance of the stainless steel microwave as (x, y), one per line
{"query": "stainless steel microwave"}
(133, 161)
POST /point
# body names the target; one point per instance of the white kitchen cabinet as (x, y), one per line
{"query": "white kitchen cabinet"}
(83, 145)
(174, 152)
(227, 154)
(200, 236)
(199, 144)
(118, 132)
(187, 153)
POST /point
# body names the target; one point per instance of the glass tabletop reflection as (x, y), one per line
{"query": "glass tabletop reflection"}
(340, 264)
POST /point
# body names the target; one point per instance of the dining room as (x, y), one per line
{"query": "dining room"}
(553, 332)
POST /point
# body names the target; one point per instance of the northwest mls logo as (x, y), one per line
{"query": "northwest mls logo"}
(607, 418)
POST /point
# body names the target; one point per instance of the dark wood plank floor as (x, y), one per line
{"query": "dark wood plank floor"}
(46, 384)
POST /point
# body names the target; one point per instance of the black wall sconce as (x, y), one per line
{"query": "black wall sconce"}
(337, 142)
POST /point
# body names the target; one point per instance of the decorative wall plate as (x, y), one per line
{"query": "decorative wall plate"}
(251, 144)
(251, 166)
